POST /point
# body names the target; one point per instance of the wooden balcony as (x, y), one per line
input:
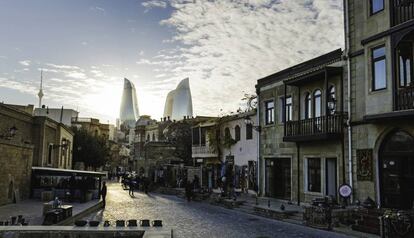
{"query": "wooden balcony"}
(401, 11)
(405, 99)
(313, 129)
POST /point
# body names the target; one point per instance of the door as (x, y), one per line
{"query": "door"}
(396, 166)
(330, 177)
(278, 178)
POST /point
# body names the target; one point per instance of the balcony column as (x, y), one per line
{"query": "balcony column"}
(326, 100)
(284, 110)
(299, 112)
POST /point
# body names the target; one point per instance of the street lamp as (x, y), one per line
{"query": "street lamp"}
(332, 105)
(248, 121)
(9, 133)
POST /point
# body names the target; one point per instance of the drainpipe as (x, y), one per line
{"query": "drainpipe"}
(258, 144)
(348, 122)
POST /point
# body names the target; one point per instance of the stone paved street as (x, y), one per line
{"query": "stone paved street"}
(197, 219)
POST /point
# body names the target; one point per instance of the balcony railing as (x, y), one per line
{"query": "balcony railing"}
(202, 151)
(405, 98)
(314, 128)
(401, 11)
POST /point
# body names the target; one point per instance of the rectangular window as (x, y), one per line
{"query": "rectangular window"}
(376, 6)
(249, 131)
(196, 136)
(203, 131)
(379, 77)
(269, 112)
(50, 154)
(314, 175)
(288, 109)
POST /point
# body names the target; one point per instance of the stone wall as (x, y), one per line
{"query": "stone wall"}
(15, 170)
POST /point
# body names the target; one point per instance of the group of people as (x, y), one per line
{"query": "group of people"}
(190, 187)
(133, 182)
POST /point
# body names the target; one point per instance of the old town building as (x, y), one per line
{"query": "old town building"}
(302, 124)
(26, 141)
(380, 46)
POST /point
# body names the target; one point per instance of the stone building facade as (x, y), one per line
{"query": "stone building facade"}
(35, 141)
(301, 114)
(380, 43)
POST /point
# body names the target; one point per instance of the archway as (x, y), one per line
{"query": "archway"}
(396, 167)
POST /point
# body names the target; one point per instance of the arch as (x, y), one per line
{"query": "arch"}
(148, 137)
(396, 169)
(237, 132)
(317, 103)
(404, 59)
(227, 134)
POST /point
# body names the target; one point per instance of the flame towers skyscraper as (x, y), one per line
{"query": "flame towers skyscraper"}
(179, 103)
(129, 112)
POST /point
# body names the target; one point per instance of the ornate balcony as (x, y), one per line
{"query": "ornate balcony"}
(401, 11)
(203, 151)
(405, 98)
(318, 128)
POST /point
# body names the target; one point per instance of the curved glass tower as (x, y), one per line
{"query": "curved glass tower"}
(179, 103)
(129, 112)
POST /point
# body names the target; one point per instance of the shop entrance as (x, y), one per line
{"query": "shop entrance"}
(278, 178)
(396, 165)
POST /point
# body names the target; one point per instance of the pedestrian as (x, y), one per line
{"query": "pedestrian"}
(188, 190)
(145, 184)
(103, 194)
(131, 187)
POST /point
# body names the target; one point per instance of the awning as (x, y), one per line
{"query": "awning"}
(65, 172)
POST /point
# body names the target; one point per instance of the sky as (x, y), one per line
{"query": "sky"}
(86, 47)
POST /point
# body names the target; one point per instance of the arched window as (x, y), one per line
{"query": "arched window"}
(332, 100)
(153, 136)
(237, 133)
(148, 137)
(317, 103)
(308, 106)
(227, 134)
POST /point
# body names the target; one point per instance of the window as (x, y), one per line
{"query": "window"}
(196, 136)
(405, 53)
(376, 6)
(317, 103)
(153, 136)
(249, 131)
(378, 68)
(148, 137)
(314, 175)
(50, 154)
(332, 100)
(227, 134)
(203, 132)
(288, 109)
(308, 106)
(237, 133)
(269, 112)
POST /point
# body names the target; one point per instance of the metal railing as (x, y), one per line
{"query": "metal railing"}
(204, 149)
(405, 98)
(332, 124)
(401, 11)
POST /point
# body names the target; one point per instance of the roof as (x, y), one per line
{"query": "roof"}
(302, 68)
(56, 171)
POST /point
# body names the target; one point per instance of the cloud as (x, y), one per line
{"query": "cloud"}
(56, 66)
(25, 62)
(154, 3)
(98, 9)
(226, 46)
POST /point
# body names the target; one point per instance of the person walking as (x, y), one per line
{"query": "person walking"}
(131, 187)
(103, 194)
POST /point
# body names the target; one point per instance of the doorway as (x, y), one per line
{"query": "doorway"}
(331, 177)
(278, 178)
(396, 167)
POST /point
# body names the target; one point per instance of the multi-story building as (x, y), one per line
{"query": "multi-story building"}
(380, 47)
(57, 114)
(240, 155)
(300, 112)
(93, 126)
(26, 141)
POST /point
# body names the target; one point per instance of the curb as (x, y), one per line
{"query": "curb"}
(81, 214)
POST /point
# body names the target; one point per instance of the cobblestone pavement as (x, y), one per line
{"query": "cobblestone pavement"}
(195, 219)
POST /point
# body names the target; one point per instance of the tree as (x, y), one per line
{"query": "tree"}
(91, 150)
(179, 135)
